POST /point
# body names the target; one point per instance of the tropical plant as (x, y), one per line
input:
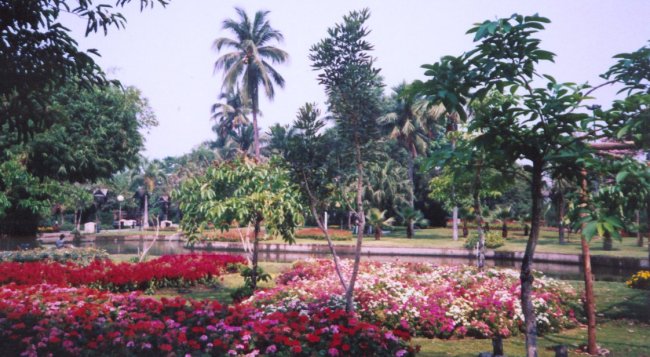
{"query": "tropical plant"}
(241, 194)
(231, 114)
(353, 87)
(411, 217)
(249, 61)
(147, 179)
(378, 221)
(407, 123)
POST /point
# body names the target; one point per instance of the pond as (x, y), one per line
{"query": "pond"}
(557, 270)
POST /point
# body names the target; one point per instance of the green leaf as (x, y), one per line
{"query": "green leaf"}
(621, 176)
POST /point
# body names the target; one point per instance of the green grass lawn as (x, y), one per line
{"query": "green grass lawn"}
(132, 232)
(441, 238)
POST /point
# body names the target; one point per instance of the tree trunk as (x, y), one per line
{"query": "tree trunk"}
(526, 276)
(504, 229)
(256, 241)
(590, 304)
(465, 229)
(349, 294)
(560, 212)
(409, 228)
(378, 233)
(145, 212)
(454, 214)
(639, 234)
(607, 241)
(497, 346)
(479, 218)
(330, 244)
(411, 174)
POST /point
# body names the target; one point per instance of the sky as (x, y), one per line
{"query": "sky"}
(167, 52)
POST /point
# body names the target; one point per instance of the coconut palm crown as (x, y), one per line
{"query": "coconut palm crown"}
(249, 62)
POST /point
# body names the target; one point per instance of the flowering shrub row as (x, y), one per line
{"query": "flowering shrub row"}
(430, 301)
(316, 233)
(47, 319)
(232, 235)
(166, 271)
(80, 256)
(640, 280)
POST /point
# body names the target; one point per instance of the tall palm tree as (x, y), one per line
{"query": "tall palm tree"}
(150, 175)
(249, 60)
(408, 125)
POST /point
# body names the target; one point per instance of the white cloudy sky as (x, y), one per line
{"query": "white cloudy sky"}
(166, 52)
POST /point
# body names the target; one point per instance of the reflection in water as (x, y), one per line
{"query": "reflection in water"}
(562, 271)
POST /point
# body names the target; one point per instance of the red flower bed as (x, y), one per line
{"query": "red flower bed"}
(46, 319)
(316, 233)
(171, 270)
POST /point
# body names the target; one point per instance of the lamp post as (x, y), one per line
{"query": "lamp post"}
(120, 198)
(99, 197)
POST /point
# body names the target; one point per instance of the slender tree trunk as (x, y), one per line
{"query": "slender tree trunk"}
(639, 234)
(526, 276)
(409, 229)
(256, 241)
(330, 244)
(145, 212)
(411, 174)
(607, 241)
(479, 217)
(349, 295)
(504, 229)
(465, 229)
(497, 346)
(377, 233)
(590, 304)
(560, 210)
(256, 136)
(454, 211)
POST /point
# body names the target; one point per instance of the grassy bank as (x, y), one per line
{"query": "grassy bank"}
(442, 238)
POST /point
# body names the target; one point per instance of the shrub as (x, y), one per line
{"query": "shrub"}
(493, 240)
(81, 256)
(640, 280)
(316, 233)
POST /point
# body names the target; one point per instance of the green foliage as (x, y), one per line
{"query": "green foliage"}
(352, 84)
(69, 151)
(493, 240)
(408, 214)
(38, 56)
(243, 193)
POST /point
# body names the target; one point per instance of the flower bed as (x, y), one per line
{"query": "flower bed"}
(316, 233)
(431, 301)
(231, 235)
(166, 271)
(640, 280)
(81, 256)
(47, 319)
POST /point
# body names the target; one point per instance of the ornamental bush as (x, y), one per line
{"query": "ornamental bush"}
(81, 256)
(493, 240)
(640, 280)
